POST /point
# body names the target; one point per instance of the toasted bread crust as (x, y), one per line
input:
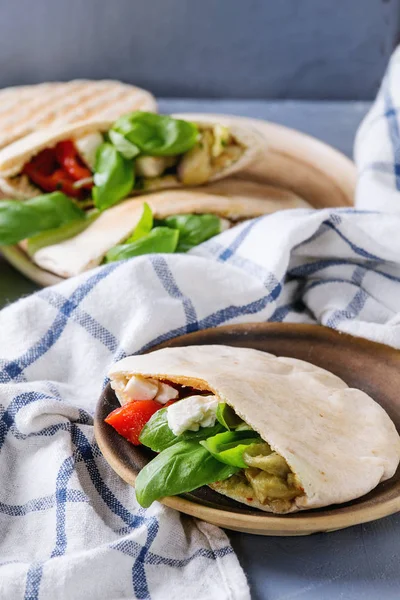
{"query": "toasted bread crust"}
(24, 109)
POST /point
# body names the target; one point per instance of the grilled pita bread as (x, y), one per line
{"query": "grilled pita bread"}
(24, 109)
(114, 226)
(337, 440)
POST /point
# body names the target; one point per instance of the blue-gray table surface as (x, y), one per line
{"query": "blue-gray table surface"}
(359, 563)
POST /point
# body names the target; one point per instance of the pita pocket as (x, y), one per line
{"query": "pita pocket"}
(214, 151)
(87, 249)
(275, 433)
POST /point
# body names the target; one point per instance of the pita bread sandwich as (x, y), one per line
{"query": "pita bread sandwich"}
(275, 433)
(99, 162)
(170, 221)
(24, 109)
(73, 179)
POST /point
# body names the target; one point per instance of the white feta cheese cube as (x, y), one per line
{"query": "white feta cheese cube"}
(87, 147)
(166, 392)
(140, 388)
(192, 413)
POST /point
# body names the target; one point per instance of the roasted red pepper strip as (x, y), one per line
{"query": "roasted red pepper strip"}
(57, 169)
(130, 419)
(45, 161)
(70, 160)
(58, 180)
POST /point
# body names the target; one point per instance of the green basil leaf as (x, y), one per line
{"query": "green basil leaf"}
(228, 447)
(21, 220)
(124, 146)
(202, 433)
(113, 177)
(157, 435)
(144, 226)
(227, 416)
(180, 468)
(159, 240)
(55, 236)
(157, 135)
(193, 229)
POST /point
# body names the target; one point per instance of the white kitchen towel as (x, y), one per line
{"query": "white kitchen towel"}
(69, 527)
(377, 146)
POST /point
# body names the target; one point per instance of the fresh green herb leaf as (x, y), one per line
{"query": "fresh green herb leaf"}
(202, 433)
(144, 226)
(157, 135)
(113, 177)
(157, 435)
(228, 447)
(159, 240)
(180, 468)
(227, 416)
(55, 236)
(193, 229)
(21, 220)
(123, 145)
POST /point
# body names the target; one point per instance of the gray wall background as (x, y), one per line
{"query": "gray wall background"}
(303, 49)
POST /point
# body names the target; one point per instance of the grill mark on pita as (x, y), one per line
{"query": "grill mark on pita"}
(26, 120)
(81, 106)
(118, 108)
(51, 105)
(70, 109)
(91, 106)
(23, 109)
(34, 98)
(10, 95)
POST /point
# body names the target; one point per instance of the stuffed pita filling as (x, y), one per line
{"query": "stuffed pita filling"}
(140, 152)
(273, 433)
(197, 429)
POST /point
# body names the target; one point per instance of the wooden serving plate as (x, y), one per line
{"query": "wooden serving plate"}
(294, 161)
(371, 367)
